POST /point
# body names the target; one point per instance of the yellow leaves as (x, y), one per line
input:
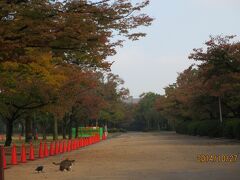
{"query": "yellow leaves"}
(39, 71)
(10, 66)
(55, 80)
(42, 68)
(39, 55)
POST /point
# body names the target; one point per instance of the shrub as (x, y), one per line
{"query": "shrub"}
(211, 128)
(192, 128)
(231, 128)
(114, 130)
(122, 130)
(237, 131)
(181, 127)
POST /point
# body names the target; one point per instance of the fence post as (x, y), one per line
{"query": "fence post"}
(1, 164)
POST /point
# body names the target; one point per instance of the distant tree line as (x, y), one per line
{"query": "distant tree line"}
(146, 116)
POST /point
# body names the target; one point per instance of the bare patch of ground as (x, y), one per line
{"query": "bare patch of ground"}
(162, 156)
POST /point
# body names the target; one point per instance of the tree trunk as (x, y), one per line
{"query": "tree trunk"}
(114, 124)
(158, 125)
(220, 109)
(70, 129)
(44, 130)
(64, 124)
(9, 132)
(96, 122)
(28, 129)
(44, 134)
(76, 126)
(34, 129)
(1, 163)
(22, 128)
(55, 130)
(147, 124)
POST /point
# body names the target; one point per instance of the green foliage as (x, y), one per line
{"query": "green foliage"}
(2, 127)
(231, 128)
(181, 127)
(192, 127)
(115, 130)
(146, 116)
(212, 128)
(209, 128)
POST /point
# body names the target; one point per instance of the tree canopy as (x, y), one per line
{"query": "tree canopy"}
(53, 57)
(208, 89)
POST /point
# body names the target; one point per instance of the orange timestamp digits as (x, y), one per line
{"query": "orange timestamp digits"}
(205, 158)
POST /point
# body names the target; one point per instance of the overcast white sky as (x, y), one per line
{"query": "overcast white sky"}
(180, 25)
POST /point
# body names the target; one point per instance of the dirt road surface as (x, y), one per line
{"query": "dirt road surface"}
(137, 156)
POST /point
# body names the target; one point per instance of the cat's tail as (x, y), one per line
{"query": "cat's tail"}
(56, 163)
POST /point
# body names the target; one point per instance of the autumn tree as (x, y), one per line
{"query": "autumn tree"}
(78, 32)
(206, 89)
(113, 93)
(183, 100)
(83, 33)
(75, 85)
(219, 67)
(100, 103)
(24, 87)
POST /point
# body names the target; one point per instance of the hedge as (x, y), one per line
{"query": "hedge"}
(212, 128)
(114, 130)
(231, 129)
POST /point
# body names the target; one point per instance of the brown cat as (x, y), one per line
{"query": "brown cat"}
(65, 164)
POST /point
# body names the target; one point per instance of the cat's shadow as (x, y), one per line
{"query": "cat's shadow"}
(43, 172)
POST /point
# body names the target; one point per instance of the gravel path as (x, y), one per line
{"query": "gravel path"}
(164, 155)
